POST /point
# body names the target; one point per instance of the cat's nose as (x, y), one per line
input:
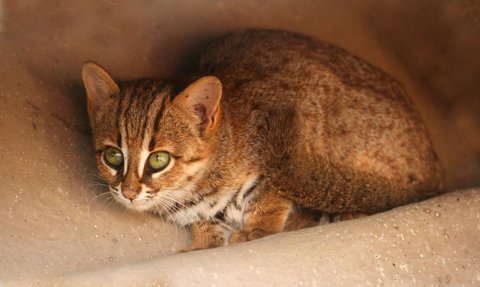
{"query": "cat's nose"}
(130, 192)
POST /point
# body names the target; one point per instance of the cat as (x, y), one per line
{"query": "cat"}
(272, 128)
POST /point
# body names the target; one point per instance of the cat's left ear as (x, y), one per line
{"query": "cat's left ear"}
(202, 100)
(99, 85)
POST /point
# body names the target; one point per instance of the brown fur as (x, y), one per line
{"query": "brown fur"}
(318, 128)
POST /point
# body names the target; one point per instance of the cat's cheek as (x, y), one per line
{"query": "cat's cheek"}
(111, 176)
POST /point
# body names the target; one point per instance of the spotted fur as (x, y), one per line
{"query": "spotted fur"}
(283, 125)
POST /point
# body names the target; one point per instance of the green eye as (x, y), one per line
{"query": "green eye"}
(158, 160)
(113, 156)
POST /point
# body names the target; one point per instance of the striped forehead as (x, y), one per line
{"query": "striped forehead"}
(141, 106)
(137, 102)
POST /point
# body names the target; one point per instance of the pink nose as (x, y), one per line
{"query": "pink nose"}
(130, 192)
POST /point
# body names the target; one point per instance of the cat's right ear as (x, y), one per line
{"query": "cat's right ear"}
(99, 86)
(202, 100)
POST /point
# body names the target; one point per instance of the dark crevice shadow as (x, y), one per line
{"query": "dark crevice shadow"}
(187, 60)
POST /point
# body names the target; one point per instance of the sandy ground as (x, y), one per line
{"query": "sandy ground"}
(52, 220)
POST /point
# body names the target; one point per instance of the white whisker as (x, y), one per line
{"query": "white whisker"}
(175, 199)
(189, 216)
(167, 208)
(100, 196)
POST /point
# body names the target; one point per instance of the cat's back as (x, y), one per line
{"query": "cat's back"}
(290, 59)
(321, 81)
(345, 109)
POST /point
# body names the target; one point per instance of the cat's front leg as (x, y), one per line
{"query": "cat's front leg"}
(266, 215)
(207, 234)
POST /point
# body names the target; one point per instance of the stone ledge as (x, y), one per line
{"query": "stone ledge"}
(434, 242)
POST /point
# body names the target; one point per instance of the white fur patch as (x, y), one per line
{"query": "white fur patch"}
(224, 200)
(143, 157)
(246, 186)
(117, 194)
(235, 216)
(144, 153)
(113, 172)
(164, 201)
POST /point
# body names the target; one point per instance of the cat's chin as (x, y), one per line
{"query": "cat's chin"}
(137, 206)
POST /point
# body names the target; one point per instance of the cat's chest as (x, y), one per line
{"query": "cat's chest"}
(229, 206)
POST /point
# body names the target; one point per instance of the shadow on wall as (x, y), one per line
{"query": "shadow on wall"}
(1, 16)
(438, 47)
(438, 43)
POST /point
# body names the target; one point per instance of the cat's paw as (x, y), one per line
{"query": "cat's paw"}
(200, 244)
(186, 249)
(193, 248)
(238, 236)
(244, 235)
(196, 247)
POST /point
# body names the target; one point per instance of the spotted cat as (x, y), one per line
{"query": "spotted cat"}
(273, 126)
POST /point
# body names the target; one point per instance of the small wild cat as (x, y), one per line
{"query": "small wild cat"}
(279, 123)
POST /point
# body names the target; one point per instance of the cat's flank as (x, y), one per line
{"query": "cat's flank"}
(278, 124)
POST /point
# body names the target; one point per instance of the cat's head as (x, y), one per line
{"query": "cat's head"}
(152, 144)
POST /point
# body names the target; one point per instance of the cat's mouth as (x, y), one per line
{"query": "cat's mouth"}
(140, 203)
(163, 202)
(137, 204)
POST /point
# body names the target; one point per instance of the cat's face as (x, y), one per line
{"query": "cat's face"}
(152, 146)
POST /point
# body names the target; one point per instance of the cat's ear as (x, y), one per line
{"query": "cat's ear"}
(99, 85)
(202, 100)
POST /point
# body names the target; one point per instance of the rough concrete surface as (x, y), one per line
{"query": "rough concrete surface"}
(56, 221)
(429, 243)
